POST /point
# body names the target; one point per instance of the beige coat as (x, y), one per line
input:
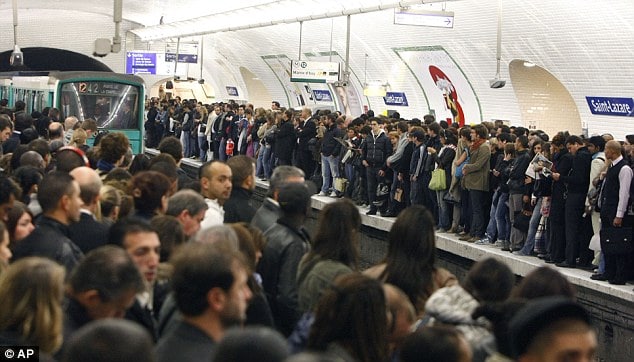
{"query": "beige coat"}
(477, 170)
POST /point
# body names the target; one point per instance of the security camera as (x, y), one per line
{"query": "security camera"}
(102, 47)
(497, 83)
(17, 57)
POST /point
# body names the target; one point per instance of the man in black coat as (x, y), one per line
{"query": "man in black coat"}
(330, 154)
(59, 198)
(375, 151)
(287, 243)
(306, 130)
(577, 182)
(239, 208)
(88, 233)
(285, 140)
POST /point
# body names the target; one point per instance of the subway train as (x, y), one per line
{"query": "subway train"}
(114, 101)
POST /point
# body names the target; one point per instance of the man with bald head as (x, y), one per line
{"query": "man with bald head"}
(55, 131)
(88, 233)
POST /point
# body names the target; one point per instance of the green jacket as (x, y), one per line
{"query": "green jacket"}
(318, 279)
(477, 170)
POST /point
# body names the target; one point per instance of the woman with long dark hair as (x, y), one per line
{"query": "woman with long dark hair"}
(411, 258)
(335, 251)
(351, 320)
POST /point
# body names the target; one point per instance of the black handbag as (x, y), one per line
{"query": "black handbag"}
(450, 198)
(522, 220)
(616, 240)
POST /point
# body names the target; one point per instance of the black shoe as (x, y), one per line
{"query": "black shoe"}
(506, 248)
(551, 261)
(371, 212)
(389, 214)
(616, 281)
(598, 276)
(588, 266)
(565, 264)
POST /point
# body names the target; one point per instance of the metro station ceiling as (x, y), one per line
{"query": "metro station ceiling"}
(172, 18)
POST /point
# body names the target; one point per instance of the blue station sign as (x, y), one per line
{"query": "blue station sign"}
(322, 95)
(140, 63)
(611, 106)
(232, 91)
(395, 99)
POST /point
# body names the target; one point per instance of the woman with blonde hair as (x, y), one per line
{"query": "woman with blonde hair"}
(110, 199)
(79, 139)
(31, 291)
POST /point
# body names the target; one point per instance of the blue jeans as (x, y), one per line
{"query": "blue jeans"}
(267, 154)
(187, 143)
(492, 228)
(529, 244)
(444, 210)
(329, 170)
(201, 141)
(222, 155)
(502, 217)
(259, 164)
(416, 192)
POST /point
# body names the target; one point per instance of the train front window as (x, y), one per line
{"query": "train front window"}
(112, 105)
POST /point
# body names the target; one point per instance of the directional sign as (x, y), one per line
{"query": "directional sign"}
(440, 19)
(140, 63)
(187, 52)
(314, 72)
(182, 58)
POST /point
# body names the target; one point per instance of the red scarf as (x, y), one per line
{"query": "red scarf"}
(476, 144)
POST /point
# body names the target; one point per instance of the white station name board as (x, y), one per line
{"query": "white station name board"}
(314, 72)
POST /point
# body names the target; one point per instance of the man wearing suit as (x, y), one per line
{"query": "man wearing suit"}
(88, 233)
(306, 130)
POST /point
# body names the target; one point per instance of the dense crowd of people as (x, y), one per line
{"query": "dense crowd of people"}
(110, 256)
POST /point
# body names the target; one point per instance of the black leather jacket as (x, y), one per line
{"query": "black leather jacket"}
(285, 248)
(50, 239)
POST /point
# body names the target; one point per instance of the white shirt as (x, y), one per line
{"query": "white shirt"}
(215, 214)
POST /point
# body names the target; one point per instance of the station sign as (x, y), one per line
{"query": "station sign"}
(314, 72)
(140, 62)
(611, 106)
(395, 99)
(232, 91)
(438, 19)
(187, 52)
(322, 95)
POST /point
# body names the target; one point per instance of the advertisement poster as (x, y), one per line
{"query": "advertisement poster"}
(448, 91)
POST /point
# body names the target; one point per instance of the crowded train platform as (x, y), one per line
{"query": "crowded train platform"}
(303, 180)
(132, 246)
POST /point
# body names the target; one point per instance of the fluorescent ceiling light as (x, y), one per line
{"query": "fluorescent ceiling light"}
(277, 12)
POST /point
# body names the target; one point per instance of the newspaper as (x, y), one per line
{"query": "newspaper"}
(539, 167)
